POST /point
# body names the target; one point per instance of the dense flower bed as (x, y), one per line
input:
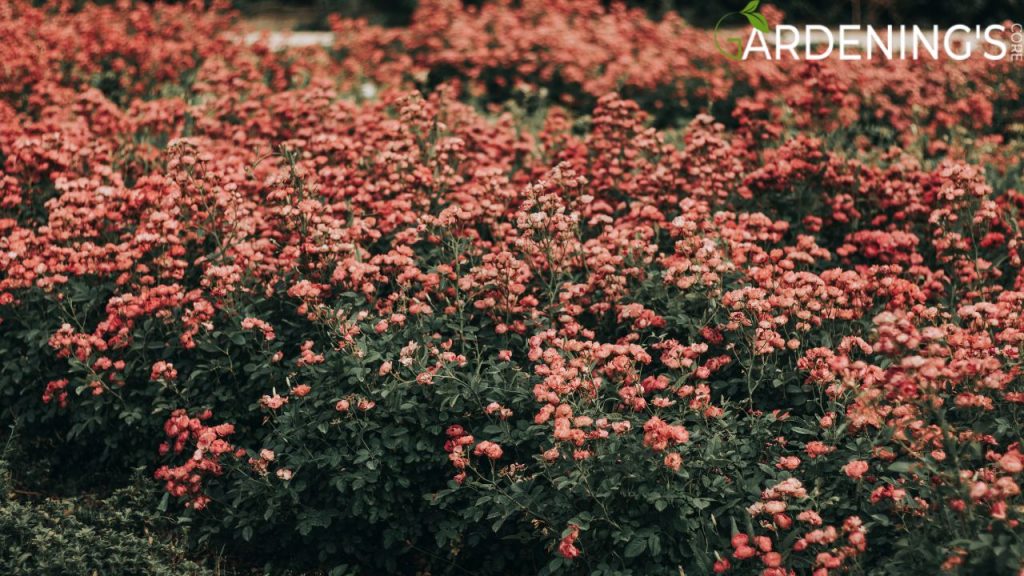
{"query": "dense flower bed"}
(532, 288)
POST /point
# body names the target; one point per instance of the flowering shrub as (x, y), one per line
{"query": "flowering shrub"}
(668, 315)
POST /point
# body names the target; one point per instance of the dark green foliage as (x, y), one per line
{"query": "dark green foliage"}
(114, 536)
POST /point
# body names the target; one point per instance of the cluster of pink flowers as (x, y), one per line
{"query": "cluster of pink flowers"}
(659, 435)
(506, 48)
(208, 445)
(830, 549)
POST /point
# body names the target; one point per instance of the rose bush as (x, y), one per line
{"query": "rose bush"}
(520, 289)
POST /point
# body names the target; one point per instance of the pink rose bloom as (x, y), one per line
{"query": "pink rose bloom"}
(855, 469)
(816, 448)
(673, 461)
(1012, 462)
(273, 402)
(744, 552)
(488, 449)
(566, 547)
(788, 463)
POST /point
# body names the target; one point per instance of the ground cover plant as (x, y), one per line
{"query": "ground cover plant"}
(528, 288)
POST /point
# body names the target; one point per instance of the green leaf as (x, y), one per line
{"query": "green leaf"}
(751, 7)
(498, 523)
(758, 21)
(655, 544)
(313, 519)
(635, 547)
(901, 467)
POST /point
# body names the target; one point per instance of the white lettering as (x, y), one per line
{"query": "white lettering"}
(947, 43)
(875, 40)
(751, 48)
(808, 44)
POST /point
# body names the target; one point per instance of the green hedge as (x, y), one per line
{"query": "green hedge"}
(110, 537)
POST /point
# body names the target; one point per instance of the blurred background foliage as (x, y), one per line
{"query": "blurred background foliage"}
(311, 14)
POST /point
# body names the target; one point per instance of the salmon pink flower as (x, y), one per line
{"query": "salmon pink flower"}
(567, 545)
(673, 461)
(274, 401)
(488, 449)
(855, 469)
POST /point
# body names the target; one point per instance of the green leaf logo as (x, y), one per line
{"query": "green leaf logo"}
(755, 18)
